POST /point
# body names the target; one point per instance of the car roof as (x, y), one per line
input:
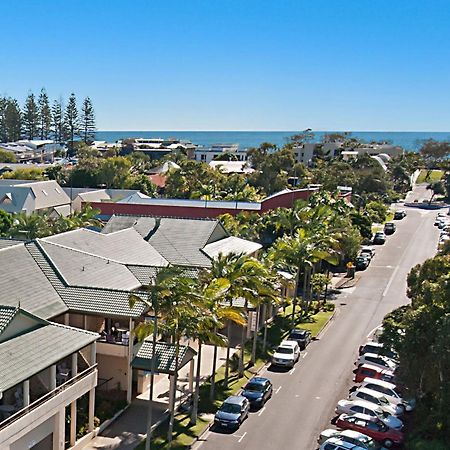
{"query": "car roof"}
(366, 404)
(366, 247)
(235, 399)
(336, 440)
(383, 383)
(370, 392)
(375, 355)
(374, 344)
(358, 416)
(371, 367)
(288, 343)
(353, 434)
(258, 380)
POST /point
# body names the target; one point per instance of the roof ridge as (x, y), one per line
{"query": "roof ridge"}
(205, 219)
(68, 327)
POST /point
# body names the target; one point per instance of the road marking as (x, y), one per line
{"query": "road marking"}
(278, 390)
(242, 437)
(262, 410)
(372, 331)
(304, 355)
(390, 281)
(292, 371)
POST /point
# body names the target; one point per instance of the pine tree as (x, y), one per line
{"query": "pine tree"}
(13, 120)
(45, 116)
(87, 121)
(58, 120)
(30, 117)
(3, 133)
(71, 122)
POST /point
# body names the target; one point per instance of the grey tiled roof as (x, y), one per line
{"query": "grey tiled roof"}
(83, 269)
(126, 246)
(109, 302)
(165, 354)
(5, 243)
(31, 352)
(22, 281)
(7, 313)
(180, 241)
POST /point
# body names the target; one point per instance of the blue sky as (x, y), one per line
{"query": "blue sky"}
(236, 64)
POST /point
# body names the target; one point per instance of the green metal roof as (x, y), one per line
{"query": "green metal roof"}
(165, 354)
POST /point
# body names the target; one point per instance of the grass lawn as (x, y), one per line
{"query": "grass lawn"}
(433, 175)
(184, 433)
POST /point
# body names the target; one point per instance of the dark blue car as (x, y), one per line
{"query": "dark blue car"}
(232, 413)
(258, 390)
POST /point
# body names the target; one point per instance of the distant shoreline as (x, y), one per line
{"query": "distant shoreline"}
(409, 140)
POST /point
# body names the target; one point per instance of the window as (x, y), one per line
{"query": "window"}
(203, 157)
(357, 409)
(7, 199)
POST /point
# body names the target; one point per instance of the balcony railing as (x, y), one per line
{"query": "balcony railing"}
(40, 401)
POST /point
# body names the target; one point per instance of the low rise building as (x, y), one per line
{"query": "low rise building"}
(230, 152)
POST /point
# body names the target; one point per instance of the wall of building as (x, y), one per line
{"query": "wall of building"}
(112, 367)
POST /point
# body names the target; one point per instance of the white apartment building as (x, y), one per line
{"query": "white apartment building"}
(208, 154)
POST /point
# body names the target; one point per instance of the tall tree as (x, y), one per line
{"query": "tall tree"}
(30, 117)
(3, 131)
(45, 115)
(58, 120)
(71, 122)
(87, 121)
(13, 120)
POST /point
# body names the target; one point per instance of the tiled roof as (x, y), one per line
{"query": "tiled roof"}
(7, 313)
(29, 353)
(5, 243)
(110, 302)
(166, 356)
(47, 194)
(22, 281)
(126, 246)
(231, 244)
(83, 269)
(180, 241)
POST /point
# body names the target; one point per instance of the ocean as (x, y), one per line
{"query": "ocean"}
(408, 140)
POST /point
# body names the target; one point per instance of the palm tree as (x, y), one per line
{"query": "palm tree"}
(156, 297)
(30, 226)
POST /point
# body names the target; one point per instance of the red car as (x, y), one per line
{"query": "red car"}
(369, 371)
(376, 430)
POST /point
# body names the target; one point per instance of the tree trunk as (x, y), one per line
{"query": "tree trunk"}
(197, 386)
(175, 380)
(265, 327)
(213, 372)
(152, 382)
(255, 336)
(294, 303)
(241, 354)
(305, 287)
(227, 361)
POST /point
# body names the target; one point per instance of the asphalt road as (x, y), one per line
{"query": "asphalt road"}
(304, 398)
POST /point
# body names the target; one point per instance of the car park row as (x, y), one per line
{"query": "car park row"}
(371, 417)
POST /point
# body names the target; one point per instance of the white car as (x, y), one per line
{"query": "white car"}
(361, 406)
(376, 360)
(377, 348)
(377, 398)
(390, 391)
(287, 354)
(367, 250)
(351, 436)
(336, 443)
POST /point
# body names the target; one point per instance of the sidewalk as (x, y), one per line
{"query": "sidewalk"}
(129, 429)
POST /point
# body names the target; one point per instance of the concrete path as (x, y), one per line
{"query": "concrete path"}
(129, 429)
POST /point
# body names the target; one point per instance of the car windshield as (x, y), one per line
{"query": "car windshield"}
(286, 350)
(230, 408)
(383, 401)
(254, 387)
(383, 414)
(297, 335)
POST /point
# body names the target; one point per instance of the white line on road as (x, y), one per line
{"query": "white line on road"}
(390, 281)
(262, 410)
(278, 390)
(242, 437)
(372, 331)
(304, 355)
(292, 371)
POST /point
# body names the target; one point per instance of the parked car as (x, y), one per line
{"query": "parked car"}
(336, 443)
(365, 407)
(233, 411)
(367, 250)
(390, 228)
(391, 392)
(378, 349)
(369, 371)
(257, 391)
(362, 262)
(379, 238)
(376, 430)
(302, 337)
(287, 354)
(399, 214)
(376, 360)
(353, 437)
(377, 398)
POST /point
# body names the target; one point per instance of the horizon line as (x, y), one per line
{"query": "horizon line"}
(273, 131)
